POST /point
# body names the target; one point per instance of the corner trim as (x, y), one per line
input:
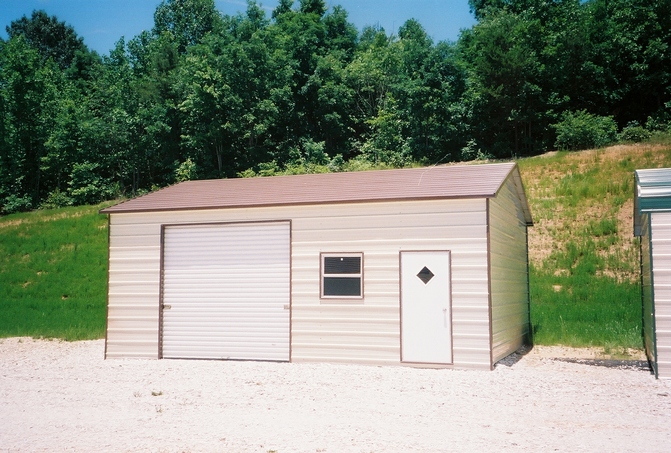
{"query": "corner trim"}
(109, 258)
(489, 285)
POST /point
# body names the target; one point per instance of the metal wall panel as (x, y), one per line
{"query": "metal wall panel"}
(509, 272)
(660, 227)
(364, 331)
(383, 230)
(133, 293)
(380, 231)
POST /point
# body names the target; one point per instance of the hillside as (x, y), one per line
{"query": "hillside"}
(53, 273)
(583, 256)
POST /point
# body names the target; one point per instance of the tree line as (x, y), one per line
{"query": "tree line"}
(206, 95)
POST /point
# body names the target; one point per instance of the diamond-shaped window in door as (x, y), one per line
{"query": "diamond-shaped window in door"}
(425, 275)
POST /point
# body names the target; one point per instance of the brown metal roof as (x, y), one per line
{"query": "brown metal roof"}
(457, 181)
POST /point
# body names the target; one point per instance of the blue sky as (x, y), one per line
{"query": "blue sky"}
(102, 22)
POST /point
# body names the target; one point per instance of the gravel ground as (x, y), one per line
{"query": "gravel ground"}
(63, 397)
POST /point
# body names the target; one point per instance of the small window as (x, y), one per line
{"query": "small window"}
(342, 275)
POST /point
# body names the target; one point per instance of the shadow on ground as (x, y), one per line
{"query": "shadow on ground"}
(515, 357)
(636, 365)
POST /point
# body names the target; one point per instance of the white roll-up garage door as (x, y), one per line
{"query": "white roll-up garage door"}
(226, 291)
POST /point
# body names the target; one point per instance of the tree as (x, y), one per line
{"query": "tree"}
(302, 37)
(317, 7)
(433, 103)
(631, 44)
(234, 85)
(411, 92)
(504, 93)
(483, 8)
(50, 37)
(188, 21)
(29, 91)
(65, 144)
(283, 7)
(480, 8)
(110, 132)
(371, 73)
(340, 34)
(159, 116)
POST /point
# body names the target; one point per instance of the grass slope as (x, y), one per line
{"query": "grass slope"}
(53, 273)
(583, 256)
(584, 260)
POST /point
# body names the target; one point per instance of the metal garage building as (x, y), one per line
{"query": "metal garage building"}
(652, 223)
(424, 266)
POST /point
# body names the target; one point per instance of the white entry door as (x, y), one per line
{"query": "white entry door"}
(426, 309)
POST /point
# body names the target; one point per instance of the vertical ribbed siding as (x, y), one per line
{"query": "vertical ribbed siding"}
(646, 292)
(365, 331)
(661, 259)
(509, 272)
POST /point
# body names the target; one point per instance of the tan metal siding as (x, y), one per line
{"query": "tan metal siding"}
(661, 258)
(509, 279)
(134, 279)
(366, 330)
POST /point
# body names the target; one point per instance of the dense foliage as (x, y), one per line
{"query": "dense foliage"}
(203, 95)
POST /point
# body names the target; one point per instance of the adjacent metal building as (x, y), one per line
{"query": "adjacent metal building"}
(425, 266)
(652, 223)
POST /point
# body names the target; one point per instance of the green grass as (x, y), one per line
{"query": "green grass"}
(584, 260)
(53, 273)
(585, 310)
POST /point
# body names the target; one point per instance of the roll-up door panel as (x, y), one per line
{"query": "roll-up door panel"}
(226, 291)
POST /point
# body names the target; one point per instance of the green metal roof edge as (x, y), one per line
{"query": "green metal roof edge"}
(652, 193)
(654, 204)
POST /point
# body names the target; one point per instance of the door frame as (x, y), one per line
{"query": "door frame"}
(449, 303)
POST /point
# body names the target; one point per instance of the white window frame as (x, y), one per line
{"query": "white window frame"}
(323, 275)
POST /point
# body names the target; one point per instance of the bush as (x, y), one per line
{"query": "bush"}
(472, 152)
(14, 203)
(269, 169)
(337, 164)
(186, 171)
(87, 186)
(659, 123)
(56, 199)
(582, 130)
(633, 132)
